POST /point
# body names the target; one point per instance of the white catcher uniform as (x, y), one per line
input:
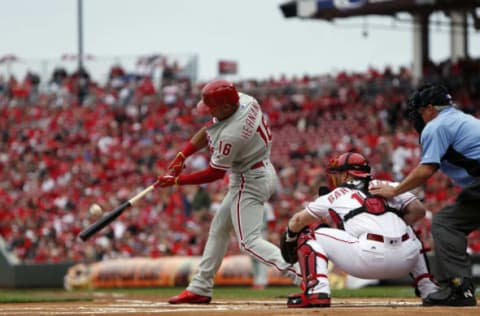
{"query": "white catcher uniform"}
(370, 246)
(241, 144)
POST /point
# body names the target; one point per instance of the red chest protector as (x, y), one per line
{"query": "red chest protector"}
(374, 205)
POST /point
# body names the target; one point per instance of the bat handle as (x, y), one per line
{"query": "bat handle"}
(143, 193)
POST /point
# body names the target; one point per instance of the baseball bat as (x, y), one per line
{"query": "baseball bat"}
(110, 216)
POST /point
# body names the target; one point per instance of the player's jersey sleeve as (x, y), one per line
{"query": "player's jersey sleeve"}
(319, 207)
(224, 152)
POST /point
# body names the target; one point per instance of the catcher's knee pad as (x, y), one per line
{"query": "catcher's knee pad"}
(305, 235)
(307, 259)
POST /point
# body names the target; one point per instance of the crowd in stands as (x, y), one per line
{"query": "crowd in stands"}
(71, 142)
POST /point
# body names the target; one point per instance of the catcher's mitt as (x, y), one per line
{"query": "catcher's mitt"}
(288, 247)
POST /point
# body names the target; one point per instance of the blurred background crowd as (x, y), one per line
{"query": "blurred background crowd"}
(69, 142)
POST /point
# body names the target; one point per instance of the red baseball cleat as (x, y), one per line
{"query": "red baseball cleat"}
(187, 297)
(301, 300)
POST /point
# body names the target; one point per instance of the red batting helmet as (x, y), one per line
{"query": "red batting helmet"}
(353, 163)
(219, 93)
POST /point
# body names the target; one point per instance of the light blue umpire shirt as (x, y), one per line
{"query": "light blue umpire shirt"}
(452, 130)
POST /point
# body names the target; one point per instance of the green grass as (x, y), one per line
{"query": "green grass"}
(269, 292)
(36, 296)
(58, 295)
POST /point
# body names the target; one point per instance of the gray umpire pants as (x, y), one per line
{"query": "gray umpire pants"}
(241, 211)
(450, 228)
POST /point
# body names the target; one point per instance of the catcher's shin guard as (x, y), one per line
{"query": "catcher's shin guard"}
(307, 259)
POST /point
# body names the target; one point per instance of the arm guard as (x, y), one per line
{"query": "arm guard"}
(203, 176)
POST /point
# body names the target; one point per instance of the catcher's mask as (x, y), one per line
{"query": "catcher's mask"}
(219, 93)
(354, 164)
(435, 95)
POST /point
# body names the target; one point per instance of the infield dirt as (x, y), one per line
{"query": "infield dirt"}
(138, 305)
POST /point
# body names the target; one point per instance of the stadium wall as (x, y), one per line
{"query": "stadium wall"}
(6, 275)
(32, 275)
(39, 275)
(140, 274)
(15, 274)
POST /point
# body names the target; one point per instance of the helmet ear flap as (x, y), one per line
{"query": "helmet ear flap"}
(202, 108)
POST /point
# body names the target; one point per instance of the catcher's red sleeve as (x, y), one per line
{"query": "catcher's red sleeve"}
(203, 176)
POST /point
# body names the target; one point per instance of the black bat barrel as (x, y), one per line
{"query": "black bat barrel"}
(104, 221)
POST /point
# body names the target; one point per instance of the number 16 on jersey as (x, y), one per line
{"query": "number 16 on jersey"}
(264, 131)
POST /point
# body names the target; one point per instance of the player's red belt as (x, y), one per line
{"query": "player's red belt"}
(258, 165)
(380, 238)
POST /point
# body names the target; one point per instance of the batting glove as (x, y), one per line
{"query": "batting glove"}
(167, 181)
(177, 164)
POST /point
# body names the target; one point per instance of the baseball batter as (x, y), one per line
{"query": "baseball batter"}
(373, 239)
(239, 140)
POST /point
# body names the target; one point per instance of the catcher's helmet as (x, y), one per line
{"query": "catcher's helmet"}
(353, 163)
(219, 93)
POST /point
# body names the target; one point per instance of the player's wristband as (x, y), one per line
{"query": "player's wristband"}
(291, 236)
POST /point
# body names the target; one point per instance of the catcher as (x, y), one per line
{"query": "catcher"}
(373, 240)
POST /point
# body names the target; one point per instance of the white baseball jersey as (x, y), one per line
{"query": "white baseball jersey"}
(371, 246)
(241, 140)
(342, 200)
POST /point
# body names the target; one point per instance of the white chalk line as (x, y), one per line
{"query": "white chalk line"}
(132, 306)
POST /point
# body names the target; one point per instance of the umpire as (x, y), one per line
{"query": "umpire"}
(450, 141)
